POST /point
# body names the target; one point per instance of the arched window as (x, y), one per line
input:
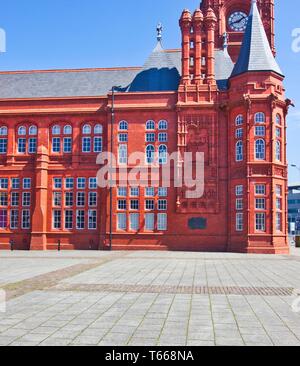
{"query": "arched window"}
(150, 154)
(56, 130)
(239, 151)
(278, 119)
(239, 120)
(162, 153)
(86, 130)
(163, 125)
(123, 126)
(123, 154)
(3, 140)
(33, 130)
(98, 130)
(278, 150)
(3, 131)
(150, 125)
(68, 130)
(22, 131)
(260, 150)
(260, 117)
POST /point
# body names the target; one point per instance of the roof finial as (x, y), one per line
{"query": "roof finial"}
(159, 30)
(225, 40)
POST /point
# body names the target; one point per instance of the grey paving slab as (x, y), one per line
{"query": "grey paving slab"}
(152, 298)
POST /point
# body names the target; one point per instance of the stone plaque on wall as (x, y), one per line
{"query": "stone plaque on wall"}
(197, 223)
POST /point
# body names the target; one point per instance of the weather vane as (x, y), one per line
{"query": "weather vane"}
(159, 30)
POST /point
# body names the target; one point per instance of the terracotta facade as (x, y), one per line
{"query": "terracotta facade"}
(241, 129)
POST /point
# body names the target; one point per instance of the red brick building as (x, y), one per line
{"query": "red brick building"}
(221, 94)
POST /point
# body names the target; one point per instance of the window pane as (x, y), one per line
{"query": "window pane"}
(134, 221)
(81, 183)
(80, 219)
(3, 146)
(149, 221)
(32, 146)
(93, 183)
(14, 219)
(27, 183)
(68, 219)
(162, 222)
(67, 130)
(86, 144)
(56, 145)
(21, 146)
(67, 145)
(92, 219)
(123, 154)
(3, 183)
(122, 221)
(98, 144)
(25, 219)
(3, 219)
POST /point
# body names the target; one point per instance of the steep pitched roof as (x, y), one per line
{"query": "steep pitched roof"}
(255, 54)
(159, 73)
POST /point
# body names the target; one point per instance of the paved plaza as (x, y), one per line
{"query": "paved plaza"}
(149, 298)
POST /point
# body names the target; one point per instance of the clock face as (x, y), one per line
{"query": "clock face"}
(238, 21)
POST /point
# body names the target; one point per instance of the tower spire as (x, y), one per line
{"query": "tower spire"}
(255, 54)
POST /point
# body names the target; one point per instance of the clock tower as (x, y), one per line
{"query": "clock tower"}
(232, 18)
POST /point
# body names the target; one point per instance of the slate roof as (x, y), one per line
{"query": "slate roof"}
(161, 72)
(255, 54)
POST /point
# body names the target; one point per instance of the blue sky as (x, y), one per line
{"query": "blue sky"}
(94, 33)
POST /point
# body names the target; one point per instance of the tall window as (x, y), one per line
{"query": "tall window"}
(56, 141)
(239, 221)
(260, 207)
(260, 117)
(239, 120)
(278, 119)
(239, 151)
(56, 219)
(150, 154)
(134, 221)
(92, 140)
(122, 221)
(162, 222)
(25, 219)
(3, 140)
(260, 222)
(163, 154)
(149, 222)
(278, 150)
(279, 208)
(27, 140)
(260, 150)
(123, 154)
(80, 219)
(92, 222)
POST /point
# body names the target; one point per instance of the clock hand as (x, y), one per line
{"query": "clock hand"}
(238, 21)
